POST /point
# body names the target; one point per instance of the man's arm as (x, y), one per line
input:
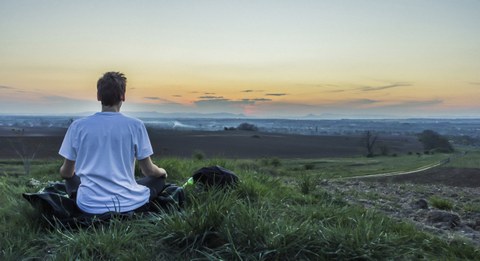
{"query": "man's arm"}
(67, 170)
(149, 169)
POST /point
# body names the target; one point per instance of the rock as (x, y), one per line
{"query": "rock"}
(405, 202)
(420, 204)
(438, 216)
(33, 183)
(477, 225)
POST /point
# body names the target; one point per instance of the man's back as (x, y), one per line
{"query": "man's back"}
(105, 146)
(99, 156)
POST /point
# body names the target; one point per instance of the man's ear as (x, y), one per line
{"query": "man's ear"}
(99, 97)
(122, 97)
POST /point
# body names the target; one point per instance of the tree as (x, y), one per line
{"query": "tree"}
(370, 140)
(431, 140)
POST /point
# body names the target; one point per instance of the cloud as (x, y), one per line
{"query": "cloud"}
(210, 97)
(252, 91)
(222, 101)
(378, 88)
(154, 98)
(334, 91)
(474, 83)
(151, 98)
(381, 105)
(276, 94)
(256, 100)
(61, 99)
(317, 85)
(361, 102)
(414, 104)
(6, 87)
(209, 93)
(177, 95)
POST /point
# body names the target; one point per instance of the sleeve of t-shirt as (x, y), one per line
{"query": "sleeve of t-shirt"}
(67, 150)
(143, 146)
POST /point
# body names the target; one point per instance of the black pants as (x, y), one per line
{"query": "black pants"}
(155, 185)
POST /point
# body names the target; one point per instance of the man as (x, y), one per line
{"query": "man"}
(100, 153)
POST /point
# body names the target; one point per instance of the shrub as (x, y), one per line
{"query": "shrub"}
(441, 203)
(309, 166)
(307, 184)
(247, 127)
(198, 155)
(271, 162)
(275, 162)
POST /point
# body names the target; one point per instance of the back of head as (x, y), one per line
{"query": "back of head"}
(111, 88)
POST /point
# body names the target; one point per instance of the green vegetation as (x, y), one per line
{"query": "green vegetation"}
(198, 155)
(466, 159)
(358, 166)
(471, 207)
(433, 141)
(277, 213)
(441, 203)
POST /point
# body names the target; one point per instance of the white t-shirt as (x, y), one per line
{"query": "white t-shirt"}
(104, 147)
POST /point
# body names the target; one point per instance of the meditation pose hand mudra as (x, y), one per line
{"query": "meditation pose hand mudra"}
(100, 152)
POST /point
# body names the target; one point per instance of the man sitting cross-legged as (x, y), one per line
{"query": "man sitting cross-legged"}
(100, 152)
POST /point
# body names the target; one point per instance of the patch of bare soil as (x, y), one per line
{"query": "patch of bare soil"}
(227, 144)
(411, 197)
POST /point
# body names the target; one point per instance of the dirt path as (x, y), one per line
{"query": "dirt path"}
(398, 173)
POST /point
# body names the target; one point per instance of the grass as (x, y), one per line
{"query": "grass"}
(276, 213)
(470, 159)
(441, 203)
(472, 207)
(357, 166)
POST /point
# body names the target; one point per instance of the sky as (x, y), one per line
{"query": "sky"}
(265, 58)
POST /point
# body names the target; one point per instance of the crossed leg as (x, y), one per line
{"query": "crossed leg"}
(155, 185)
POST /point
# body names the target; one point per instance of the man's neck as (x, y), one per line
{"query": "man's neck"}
(114, 108)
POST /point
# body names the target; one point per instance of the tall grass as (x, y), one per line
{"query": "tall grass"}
(264, 218)
(441, 203)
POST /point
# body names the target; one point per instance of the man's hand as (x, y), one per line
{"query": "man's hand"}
(149, 169)
(67, 170)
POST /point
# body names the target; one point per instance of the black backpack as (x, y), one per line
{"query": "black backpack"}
(215, 176)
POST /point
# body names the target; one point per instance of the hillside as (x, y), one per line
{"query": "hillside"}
(284, 209)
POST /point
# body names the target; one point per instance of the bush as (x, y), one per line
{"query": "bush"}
(307, 184)
(198, 155)
(441, 203)
(247, 127)
(309, 166)
(275, 162)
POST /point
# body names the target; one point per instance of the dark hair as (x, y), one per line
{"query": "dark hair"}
(111, 88)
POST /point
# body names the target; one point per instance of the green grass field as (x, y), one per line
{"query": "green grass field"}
(276, 213)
